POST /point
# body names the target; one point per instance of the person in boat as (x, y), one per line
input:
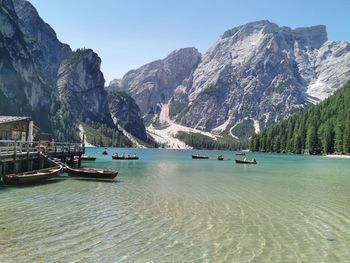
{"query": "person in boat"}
(245, 159)
(254, 160)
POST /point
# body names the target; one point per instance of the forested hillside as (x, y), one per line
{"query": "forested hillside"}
(323, 128)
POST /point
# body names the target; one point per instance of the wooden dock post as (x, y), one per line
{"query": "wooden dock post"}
(16, 167)
(5, 168)
(41, 163)
(30, 165)
(20, 156)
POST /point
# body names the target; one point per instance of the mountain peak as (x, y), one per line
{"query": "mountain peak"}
(314, 36)
(251, 27)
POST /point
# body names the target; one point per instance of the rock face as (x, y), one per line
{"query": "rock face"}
(155, 82)
(126, 113)
(47, 51)
(22, 91)
(258, 72)
(81, 84)
(42, 78)
(263, 72)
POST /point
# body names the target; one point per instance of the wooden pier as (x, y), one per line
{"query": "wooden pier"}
(20, 156)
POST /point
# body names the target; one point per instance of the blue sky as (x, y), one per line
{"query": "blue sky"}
(129, 33)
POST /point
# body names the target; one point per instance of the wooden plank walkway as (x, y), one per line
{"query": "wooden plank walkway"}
(19, 150)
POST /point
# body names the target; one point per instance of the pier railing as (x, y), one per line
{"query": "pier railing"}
(16, 148)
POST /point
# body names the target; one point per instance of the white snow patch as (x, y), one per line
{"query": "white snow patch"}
(222, 127)
(232, 135)
(318, 90)
(167, 136)
(256, 126)
(81, 134)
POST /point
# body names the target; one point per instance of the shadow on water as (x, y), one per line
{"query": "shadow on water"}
(51, 181)
(2, 186)
(97, 180)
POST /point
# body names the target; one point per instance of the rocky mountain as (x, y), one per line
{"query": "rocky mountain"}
(154, 83)
(22, 90)
(81, 84)
(254, 75)
(47, 51)
(126, 114)
(263, 72)
(41, 77)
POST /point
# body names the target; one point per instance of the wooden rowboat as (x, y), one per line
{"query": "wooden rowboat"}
(31, 176)
(247, 161)
(91, 173)
(88, 158)
(220, 158)
(124, 157)
(197, 156)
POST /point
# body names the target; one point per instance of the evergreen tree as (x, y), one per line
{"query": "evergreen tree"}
(297, 144)
(321, 128)
(328, 139)
(338, 138)
(312, 140)
(346, 138)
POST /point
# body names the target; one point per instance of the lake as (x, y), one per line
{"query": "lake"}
(167, 207)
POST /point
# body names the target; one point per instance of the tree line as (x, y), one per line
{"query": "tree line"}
(200, 141)
(320, 129)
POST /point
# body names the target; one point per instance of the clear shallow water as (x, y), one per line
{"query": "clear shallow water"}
(167, 207)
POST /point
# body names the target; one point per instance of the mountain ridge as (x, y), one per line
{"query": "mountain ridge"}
(259, 72)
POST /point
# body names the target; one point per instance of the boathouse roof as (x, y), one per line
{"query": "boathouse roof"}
(9, 119)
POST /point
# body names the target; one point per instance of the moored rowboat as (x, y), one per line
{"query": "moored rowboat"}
(247, 161)
(197, 156)
(31, 176)
(91, 173)
(124, 157)
(88, 158)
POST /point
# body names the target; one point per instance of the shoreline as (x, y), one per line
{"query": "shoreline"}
(338, 156)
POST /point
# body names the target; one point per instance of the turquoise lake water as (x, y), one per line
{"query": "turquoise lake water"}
(167, 207)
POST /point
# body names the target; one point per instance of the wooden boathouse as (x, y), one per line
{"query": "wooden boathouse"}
(20, 151)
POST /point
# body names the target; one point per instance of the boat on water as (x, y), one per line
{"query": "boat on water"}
(240, 153)
(88, 158)
(220, 158)
(198, 156)
(124, 157)
(253, 161)
(31, 177)
(91, 173)
(105, 152)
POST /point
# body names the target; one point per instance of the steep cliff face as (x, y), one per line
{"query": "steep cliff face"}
(126, 113)
(155, 82)
(22, 91)
(263, 72)
(254, 75)
(47, 51)
(81, 84)
(42, 78)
